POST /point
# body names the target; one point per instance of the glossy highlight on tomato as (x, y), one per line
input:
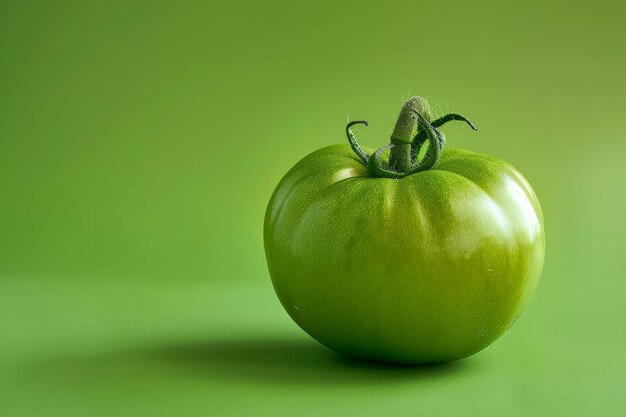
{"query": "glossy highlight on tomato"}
(378, 259)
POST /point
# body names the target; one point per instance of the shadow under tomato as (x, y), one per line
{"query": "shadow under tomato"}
(278, 361)
(284, 360)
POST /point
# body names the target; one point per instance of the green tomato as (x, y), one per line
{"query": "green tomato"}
(428, 267)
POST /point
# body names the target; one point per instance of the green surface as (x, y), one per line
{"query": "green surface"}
(140, 143)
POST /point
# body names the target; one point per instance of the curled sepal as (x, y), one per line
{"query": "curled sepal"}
(441, 138)
(376, 166)
(421, 136)
(441, 141)
(353, 142)
(452, 116)
(433, 153)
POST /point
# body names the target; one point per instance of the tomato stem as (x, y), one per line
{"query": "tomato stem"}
(413, 128)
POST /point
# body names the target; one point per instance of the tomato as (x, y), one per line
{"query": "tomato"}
(404, 265)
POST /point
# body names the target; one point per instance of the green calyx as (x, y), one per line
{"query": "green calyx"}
(413, 128)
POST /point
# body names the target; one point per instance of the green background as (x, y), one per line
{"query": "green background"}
(141, 141)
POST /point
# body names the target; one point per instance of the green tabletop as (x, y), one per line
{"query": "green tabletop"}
(140, 143)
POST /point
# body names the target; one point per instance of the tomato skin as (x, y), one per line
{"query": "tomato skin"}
(431, 267)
